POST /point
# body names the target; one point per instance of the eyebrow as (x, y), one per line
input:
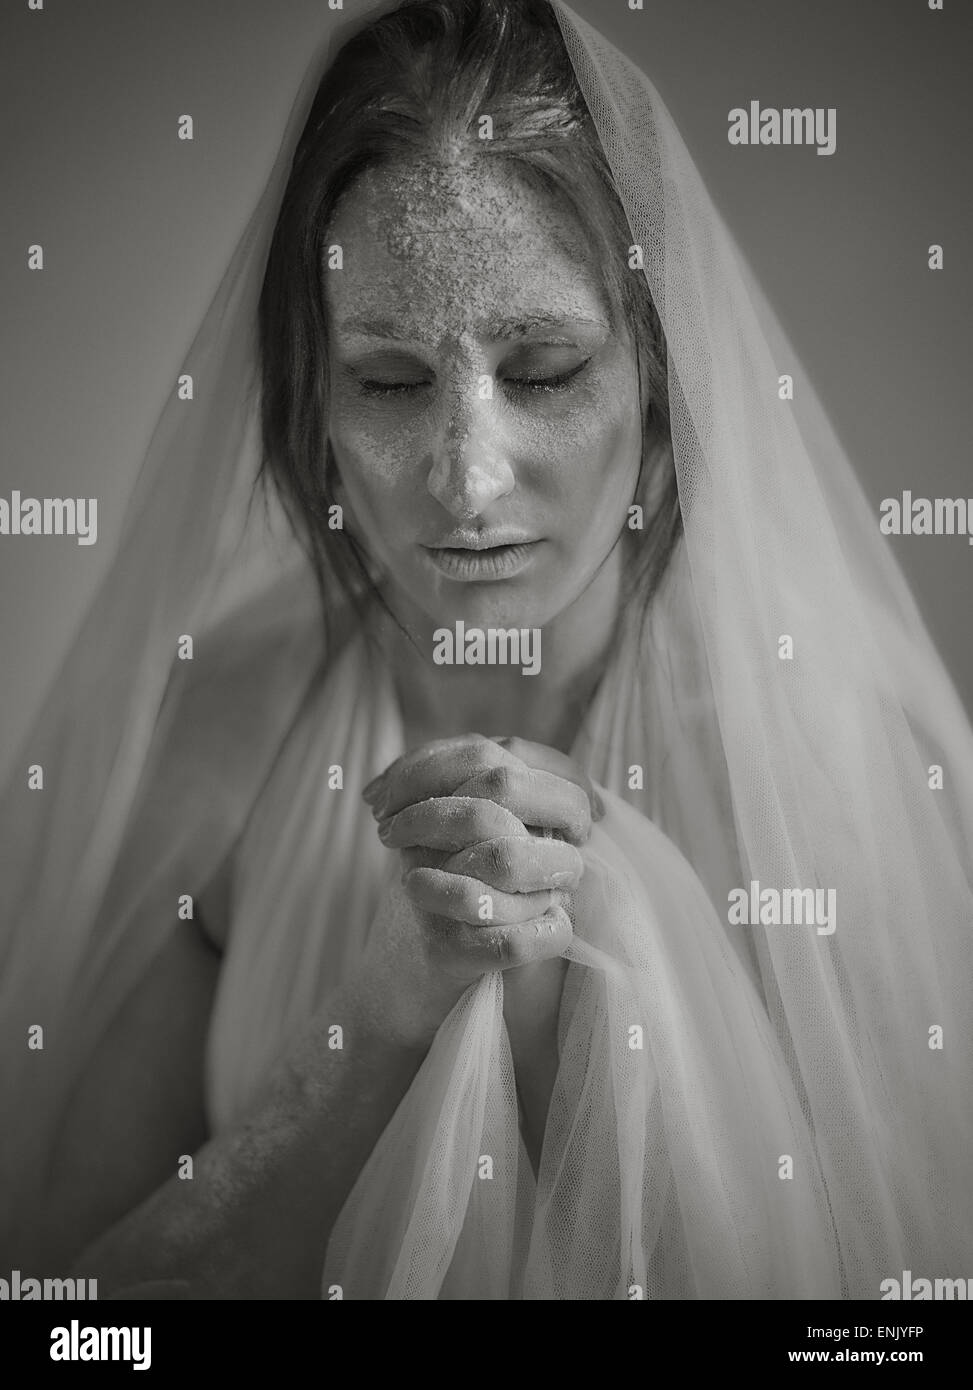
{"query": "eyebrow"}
(517, 326)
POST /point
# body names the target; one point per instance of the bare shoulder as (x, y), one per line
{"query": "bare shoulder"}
(246, 690)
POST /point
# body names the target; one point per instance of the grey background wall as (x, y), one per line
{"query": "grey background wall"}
(138, 225)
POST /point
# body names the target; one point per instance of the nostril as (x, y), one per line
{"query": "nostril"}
(465, 485)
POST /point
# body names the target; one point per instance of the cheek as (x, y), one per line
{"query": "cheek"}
(374, 455)
(591, 461)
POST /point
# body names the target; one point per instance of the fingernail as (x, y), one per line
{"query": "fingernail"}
(380, 807)
(598, 807)
(385, 829)
(559, 880)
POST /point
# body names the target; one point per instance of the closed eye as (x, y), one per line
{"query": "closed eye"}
(527, 383)
(368, 387)
(545, 383)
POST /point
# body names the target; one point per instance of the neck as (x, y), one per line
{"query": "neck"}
(499, 700)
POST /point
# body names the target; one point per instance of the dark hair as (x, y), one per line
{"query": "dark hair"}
(414, 82)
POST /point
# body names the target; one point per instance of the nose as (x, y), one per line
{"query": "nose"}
(470, 468)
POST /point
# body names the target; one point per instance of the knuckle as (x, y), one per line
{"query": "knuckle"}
(516, 948)
(462, 861)
(499, 858)
(497, 780)
(475, 758)
(459, 815)
(479, 824)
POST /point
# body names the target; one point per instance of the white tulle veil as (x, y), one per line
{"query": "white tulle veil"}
(811, 772)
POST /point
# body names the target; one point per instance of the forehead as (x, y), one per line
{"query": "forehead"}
(438, 250)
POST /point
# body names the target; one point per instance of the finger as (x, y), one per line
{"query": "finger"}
(449, 822)
(505, 947)
(420, 857)
(535, 797)
(515, 864)
(463, 899)
(413, 756)
(434, 769)
(545, 759)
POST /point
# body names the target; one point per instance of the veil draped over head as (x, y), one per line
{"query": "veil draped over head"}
(743, 1108)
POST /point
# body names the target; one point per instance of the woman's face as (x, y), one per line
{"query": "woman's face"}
(484, 413)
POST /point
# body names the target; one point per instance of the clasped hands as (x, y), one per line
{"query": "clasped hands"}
(488, 831)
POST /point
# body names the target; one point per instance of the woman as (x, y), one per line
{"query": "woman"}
(521, 1038)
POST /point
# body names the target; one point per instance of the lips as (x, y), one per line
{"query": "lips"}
(481, 562)
(480, 540)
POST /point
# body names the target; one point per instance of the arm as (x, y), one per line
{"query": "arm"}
(254, 1218)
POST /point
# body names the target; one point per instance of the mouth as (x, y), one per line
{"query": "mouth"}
(481, 562)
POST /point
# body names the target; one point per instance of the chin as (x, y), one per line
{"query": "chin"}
(523, 606)
(505, 604)
(488, 609)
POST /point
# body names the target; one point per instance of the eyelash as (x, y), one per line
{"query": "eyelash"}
(539, 386)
